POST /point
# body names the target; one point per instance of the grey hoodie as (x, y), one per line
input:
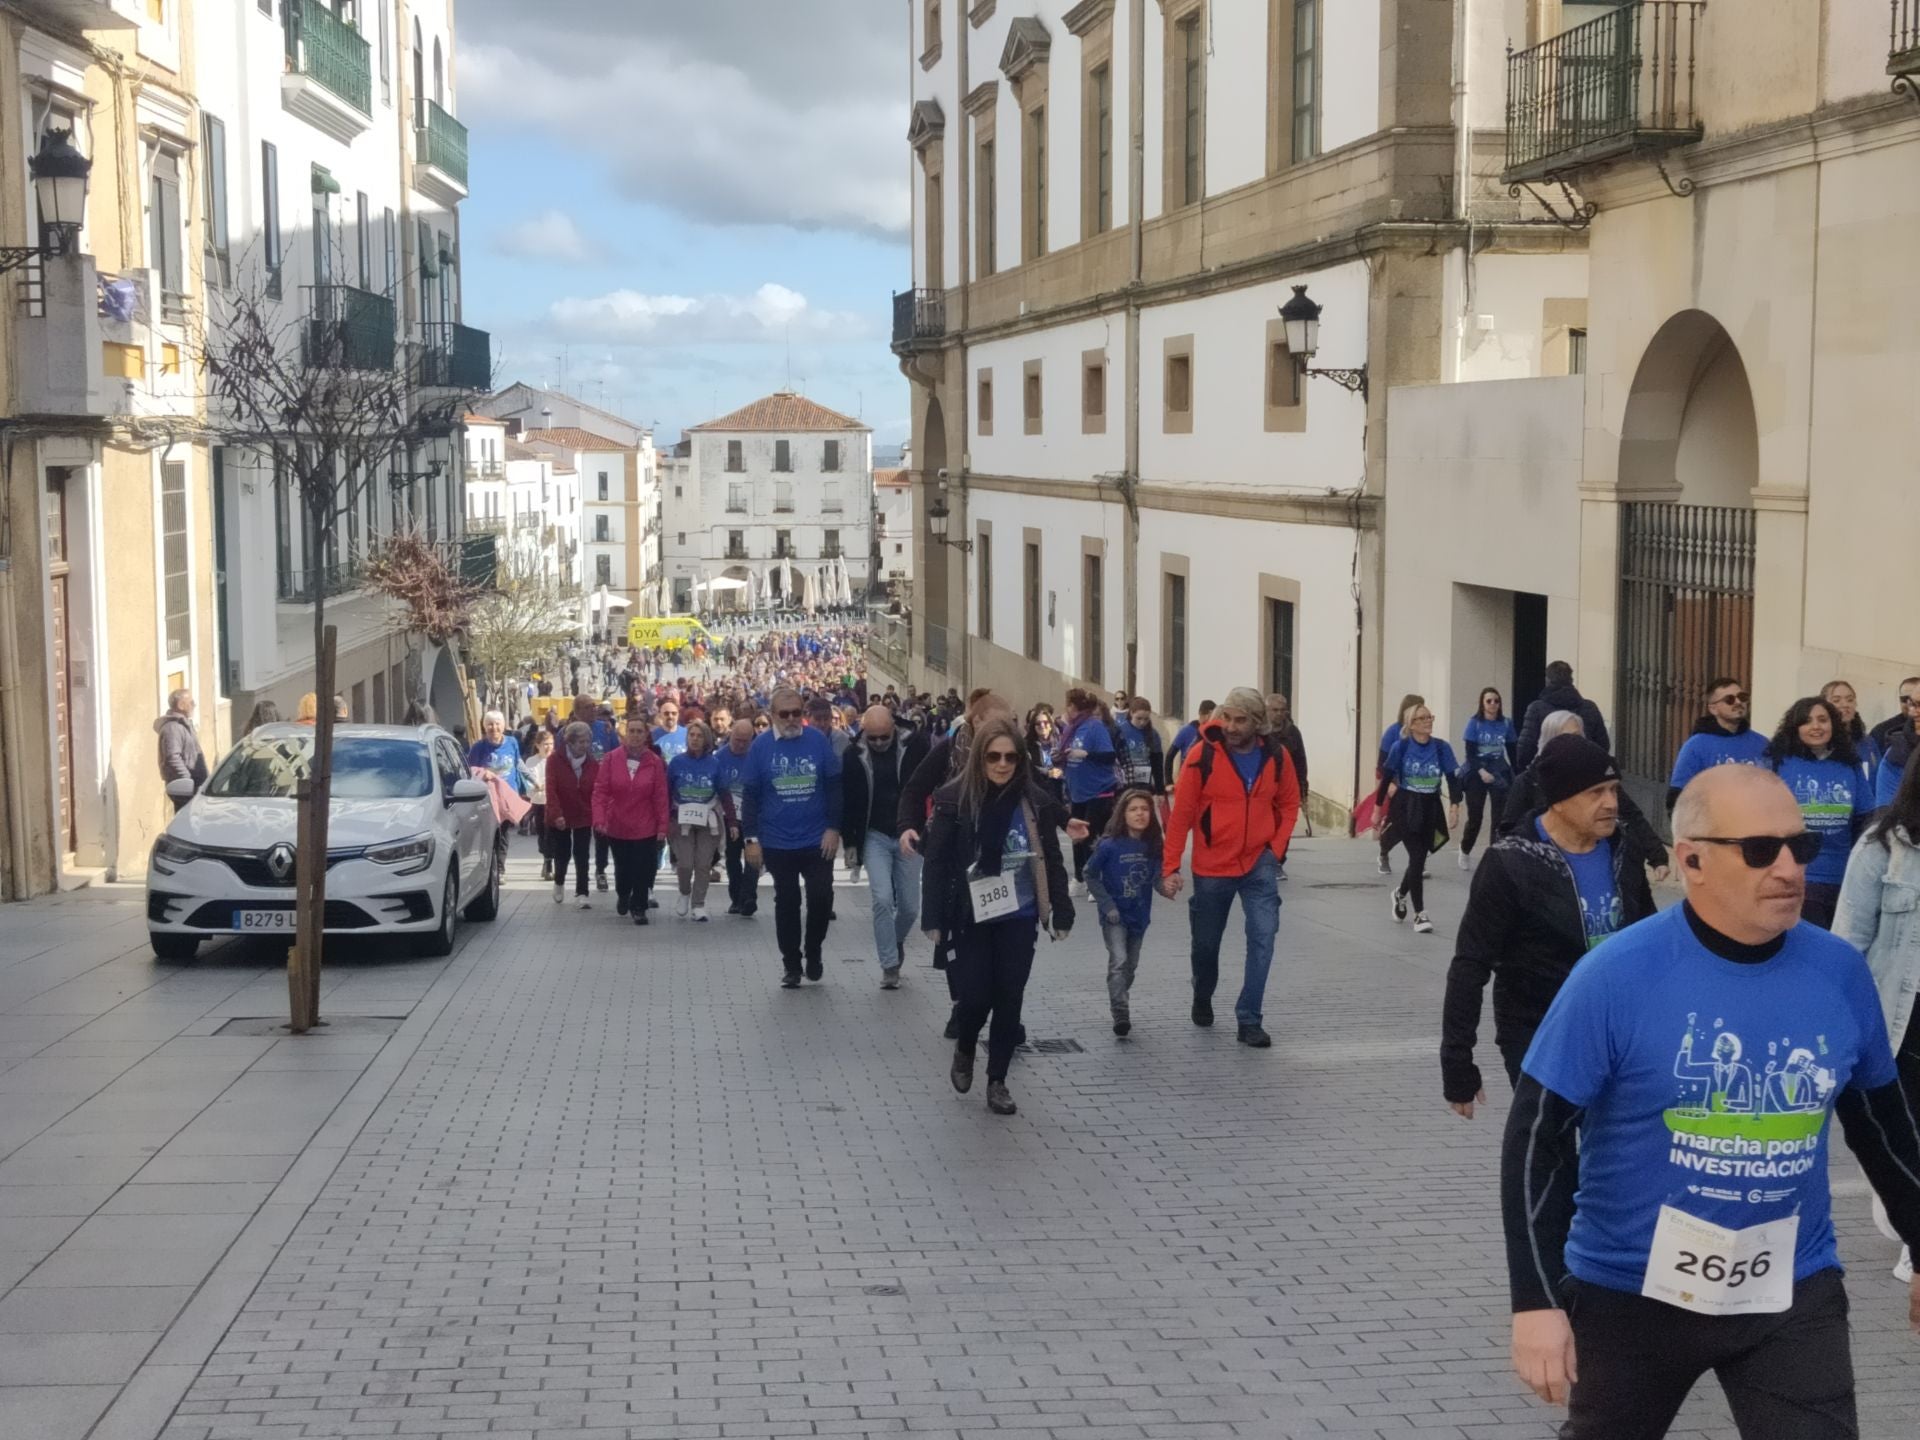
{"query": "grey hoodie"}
(180, 753)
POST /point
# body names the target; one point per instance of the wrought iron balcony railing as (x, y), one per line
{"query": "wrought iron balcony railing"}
(348, 329)
(443, 143)
(918, 315)
(455, 357)
(1618, 85)
(1903, 43)
(325, 48)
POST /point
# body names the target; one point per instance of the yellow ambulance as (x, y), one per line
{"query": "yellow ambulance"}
(666, 632)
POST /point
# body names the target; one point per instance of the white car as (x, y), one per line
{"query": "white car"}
(409, 843)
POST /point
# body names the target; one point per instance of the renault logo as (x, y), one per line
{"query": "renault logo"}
(280, 861)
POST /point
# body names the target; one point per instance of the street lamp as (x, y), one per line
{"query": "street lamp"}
(60, 187)
(1301, 316)
(940, 520)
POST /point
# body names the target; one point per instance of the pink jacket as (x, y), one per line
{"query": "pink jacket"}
(509, 807)
(631, 806)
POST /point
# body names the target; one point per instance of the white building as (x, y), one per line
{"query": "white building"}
(893, 530)
(619, 523)
(1143, 487)
(527, 499)
(538, 408)
(776, 498)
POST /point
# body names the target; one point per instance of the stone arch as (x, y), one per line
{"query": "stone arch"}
(1689, 433)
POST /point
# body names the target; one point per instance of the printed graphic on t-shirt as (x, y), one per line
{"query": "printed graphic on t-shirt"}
(1420, 774)
(795, 778)
(1827, 806)
(1744, 1117)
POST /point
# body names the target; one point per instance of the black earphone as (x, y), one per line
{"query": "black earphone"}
(1693, 862)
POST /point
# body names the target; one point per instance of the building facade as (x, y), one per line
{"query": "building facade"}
(1141, 484)
(893, 532)
(775, 504)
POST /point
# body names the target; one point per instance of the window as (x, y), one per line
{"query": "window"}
(830, 498)
(270, 216)
(283, 556)
(213, 199)
(736, 457)
(1030, 599)
(987, 182)
(930, 46)
(783, 497)
(831, 547)
(386, 49)
(679, 493)
(1286, 394)
(1036, 171)
(1177, 402)
(176, 567)
(1093, 616)
(603, 484)
(1176, 620)
(602, 528)
(1193, 112)
(936, 216)
(1031, 397)
(830, 461)
(393, 256)
(164, 232)
(983, 402)
(1102, 169)
(1304, 90)
(1576, 352)
(783, 455)
(1093, 392)
(736, 544)
(737, 492)
(983, 551)
(363, 234)
(603, 569)
(783, 544)
(1279, 666)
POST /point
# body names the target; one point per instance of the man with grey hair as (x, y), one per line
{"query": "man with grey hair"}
(875, 769)
(791, 825)
(1238, 798)
(181, 757)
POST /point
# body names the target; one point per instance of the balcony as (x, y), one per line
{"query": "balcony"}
(336, 577)
(919, 316)
(736, 552)
(455, 357)
(1617, 86)
(440, 156)
(88, 14)
(1903, 45)
(785, 552)
(486, 525)
(329, 77)
(479, 560)
(831, 552)
(348, 329)
(527, 522)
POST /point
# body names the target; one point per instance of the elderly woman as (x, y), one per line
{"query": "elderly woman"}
(499, 752)
(701, 807)
(570, 780)
(630, 809)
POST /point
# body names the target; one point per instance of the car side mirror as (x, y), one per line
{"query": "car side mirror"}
(467, 792)
(181, 789)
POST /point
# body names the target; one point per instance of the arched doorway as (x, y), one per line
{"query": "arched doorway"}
(938, 623)
(1689, 460)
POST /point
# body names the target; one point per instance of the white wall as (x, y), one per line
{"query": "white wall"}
(1063, 525)
(1060, 451)
(1350, 82)
(1511, 290)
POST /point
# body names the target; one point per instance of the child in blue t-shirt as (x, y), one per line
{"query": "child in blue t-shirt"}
(1120, 874)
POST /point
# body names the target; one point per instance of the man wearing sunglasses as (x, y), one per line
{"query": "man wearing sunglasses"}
(1723, 736)
(1897, 738)
(792, 827)
(1697, 1057)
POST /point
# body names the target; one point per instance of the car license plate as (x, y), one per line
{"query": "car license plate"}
(281, 921)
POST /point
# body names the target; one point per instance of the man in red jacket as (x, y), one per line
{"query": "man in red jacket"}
(1238, 798)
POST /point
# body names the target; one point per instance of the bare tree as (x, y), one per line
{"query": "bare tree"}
(525, 619)
(331, 401)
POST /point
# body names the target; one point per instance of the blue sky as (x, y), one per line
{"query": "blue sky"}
(670, 200)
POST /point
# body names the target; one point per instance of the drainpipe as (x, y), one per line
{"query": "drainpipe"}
(1463, 169)
(19, 859)
(1136, 220)
(959, 459)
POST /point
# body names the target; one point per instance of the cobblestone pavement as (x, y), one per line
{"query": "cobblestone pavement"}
(624, 1186)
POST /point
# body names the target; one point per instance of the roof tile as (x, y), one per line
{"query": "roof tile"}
(781, 413)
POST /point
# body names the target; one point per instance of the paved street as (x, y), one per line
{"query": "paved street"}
(615, 1183)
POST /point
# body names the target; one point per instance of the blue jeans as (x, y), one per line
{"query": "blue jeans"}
(1207, 910)
(893, 880)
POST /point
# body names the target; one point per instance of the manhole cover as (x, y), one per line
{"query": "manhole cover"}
(335, 1025)
(882, 1290)
(1343, 884)
(1054, 1047)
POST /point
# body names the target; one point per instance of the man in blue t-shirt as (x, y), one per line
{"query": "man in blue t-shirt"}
(669, 736)
(791, 823)
(743, 880)
(1697, 1057)
(1723, 736)
(1184, 739)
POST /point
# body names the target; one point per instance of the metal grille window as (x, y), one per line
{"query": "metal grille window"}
(737, 495)
(783, 496)
(830, 498)
(1280, 647)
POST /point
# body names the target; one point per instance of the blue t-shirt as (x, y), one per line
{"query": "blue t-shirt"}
(693, 781)
(796, 784)
(1015, 861)
(1886, 782)
(1248, 763)
(1184, 739)
(730, 772)
(503, 759)
(606, 738)
(1708, 749)
(1121, 872)
(1487, 743)
(1092, 777)
(670, 742)
(1421, 768)
(1708, 1085)
(1139, 754)
(1389, 738)
(1830, 795)
(1601, 912)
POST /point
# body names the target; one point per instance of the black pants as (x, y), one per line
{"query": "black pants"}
(1822, 900)
(1096, 812)
(1786, 1377)
(743, 880)
(502, 834)
(565, 844)
(602, 847)
(794, 871)
(1480, 798)
(990, 966)
(1413, 884)
(635, 862)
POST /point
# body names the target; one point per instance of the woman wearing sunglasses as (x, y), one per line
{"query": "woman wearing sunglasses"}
(1811, 751)
(993, 876)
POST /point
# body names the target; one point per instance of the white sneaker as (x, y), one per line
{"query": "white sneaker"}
(1399, 907)
(890, 978)
(1422, 925)
(700, 915)
(585, 903)
(560, 894)
(1386, 866)
(682, 906)
(1465, 861)
(1903, 1272)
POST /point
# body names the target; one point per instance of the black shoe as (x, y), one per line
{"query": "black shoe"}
(1256, 1037)
(953, 1024)
(600, 879)
(1203, 1012)
(999, 1100)
(1123, 1028)
(619, 909)
(815, 970)
(962, 1072)
(1019, 1034)
(652, 904)
(734, 908)
(791, 978)
(747, 912)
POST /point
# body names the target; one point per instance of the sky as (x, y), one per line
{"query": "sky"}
(678, 206)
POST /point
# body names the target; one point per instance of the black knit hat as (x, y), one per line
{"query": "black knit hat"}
(1569, 764)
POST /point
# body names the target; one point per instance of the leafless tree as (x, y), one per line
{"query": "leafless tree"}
(523, 620)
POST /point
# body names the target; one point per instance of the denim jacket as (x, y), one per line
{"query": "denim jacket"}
(1880, 913)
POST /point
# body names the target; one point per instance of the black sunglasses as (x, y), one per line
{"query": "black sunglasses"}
(1743, 697)
(788, 714)
(1003, 757)
(1760, 851)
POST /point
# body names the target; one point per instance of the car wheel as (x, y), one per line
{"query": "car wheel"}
(486, 904)
(175, 947)
(440, 942)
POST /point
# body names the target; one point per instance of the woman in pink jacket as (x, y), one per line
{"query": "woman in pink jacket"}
(630, 809)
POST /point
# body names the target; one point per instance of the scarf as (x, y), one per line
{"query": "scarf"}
(990, 826)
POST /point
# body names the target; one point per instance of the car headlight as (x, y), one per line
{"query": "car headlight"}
(404, 857)
(169, 853)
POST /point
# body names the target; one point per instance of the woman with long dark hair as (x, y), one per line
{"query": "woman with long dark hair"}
(993, 877)
(1486, 769)
(1043, 747)
(1812, 752)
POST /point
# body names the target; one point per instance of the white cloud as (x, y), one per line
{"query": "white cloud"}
(550, 235)
(772, 313)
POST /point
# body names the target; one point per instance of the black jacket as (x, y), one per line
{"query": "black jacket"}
(908, 750)
(1560, 697)
(1295, 745)
(1524, 801)
(950, 847)
(1884, 733)
(928, 776)
(1523, 931)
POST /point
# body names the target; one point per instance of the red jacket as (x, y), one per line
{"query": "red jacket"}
(1230, 824)
(570, 798)
(631, 806)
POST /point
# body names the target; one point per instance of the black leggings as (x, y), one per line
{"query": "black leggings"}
(991, 965)
(635, 863)
(563, 845)
(1096, 812)
(1413, 883)
(1478, 798)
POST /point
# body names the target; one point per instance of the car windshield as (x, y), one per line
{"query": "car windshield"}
(365, 767)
